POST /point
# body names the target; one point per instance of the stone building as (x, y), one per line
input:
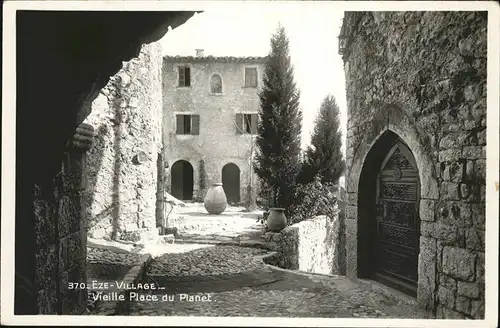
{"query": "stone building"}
(416, 154)
(210, 107)
(122, 164)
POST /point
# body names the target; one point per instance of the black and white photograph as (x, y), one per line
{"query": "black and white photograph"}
(250, 163)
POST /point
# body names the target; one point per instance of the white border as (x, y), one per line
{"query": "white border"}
(8, 161)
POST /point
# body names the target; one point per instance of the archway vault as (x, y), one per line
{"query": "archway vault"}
(231, 182)
(78, 58)
(389, 122)
(182, 180)
(402, 126)
(388, 220)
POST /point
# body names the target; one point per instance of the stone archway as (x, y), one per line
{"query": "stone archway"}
(390, 122)
(55, 184)
(388, 206)
(216, 84)
(231, 182)
(182, 180)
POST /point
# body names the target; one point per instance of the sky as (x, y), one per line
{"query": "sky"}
(312, 31)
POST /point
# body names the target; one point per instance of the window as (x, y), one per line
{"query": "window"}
(216, 84)
(184, 76)
(250, 77)
(188, 124)
(246, 123)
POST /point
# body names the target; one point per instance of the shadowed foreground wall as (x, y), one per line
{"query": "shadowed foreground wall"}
(422, 76)
(127, 116)
(76, 53)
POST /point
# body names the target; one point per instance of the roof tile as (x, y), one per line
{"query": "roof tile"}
(223, 59)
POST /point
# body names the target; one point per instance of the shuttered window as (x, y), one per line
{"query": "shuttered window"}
(184, 76)
(250, 77)
(188, 124)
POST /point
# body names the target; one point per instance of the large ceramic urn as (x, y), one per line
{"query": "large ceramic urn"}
(276, 220)
(215, 199)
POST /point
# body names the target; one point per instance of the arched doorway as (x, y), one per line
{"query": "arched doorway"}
(389, 226)
(231, 182)
(182, 180)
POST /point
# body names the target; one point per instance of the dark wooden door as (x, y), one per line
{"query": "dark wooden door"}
(398, 226)
(231, 182)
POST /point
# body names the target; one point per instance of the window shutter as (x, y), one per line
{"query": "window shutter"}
(239, 123)
(195, 124)
(250, 77)
(182, 77)
(180, 124)
(188, 76)
(255, 120)
(247, 77)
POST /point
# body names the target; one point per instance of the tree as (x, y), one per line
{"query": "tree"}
(324, 157)
(277, 158)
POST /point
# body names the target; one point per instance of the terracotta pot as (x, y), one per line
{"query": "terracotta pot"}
(276, 220)
(215, 200)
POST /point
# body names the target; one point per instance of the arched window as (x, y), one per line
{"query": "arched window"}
(216, 84)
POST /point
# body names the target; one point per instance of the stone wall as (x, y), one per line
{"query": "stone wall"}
(61, 234)
(218, 142)
(422, 76)
(52, 99)
(123, 169)
(309, 246)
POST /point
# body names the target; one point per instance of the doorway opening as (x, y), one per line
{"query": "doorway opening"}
(389, 225)
(182, 180)
(231, 182)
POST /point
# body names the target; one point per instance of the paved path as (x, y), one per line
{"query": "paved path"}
(233, 281)
(193, 221)
(202, 279)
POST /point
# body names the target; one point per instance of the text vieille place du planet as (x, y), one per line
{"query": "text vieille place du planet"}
(134, 293)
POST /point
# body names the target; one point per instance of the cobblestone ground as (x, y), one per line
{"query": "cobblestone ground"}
(105, 256)
(214, 260)
(215, 280)
(233, 281)
(106, 265)
(193, 222)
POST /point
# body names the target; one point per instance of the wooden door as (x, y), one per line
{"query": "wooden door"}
(398, 226)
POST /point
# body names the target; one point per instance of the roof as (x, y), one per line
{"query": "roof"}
(225, 59)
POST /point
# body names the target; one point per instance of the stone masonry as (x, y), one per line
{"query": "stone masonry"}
(56, 85)
(218, 142)
(61, 236)
(422, 76)
(310, 246)
(123, 170)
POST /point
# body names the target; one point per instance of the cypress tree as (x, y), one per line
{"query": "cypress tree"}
(324, 157)
(277, 157)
